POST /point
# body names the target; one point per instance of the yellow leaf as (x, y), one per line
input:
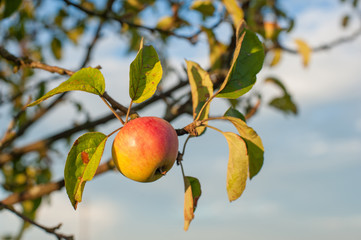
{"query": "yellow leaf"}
(304, 50)
(201, 88)
(270, 29)
(188, 204)
(166, 23)
(234, 10)
(238, 165)
(277, 53)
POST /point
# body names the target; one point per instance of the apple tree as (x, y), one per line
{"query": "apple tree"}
(34, 38)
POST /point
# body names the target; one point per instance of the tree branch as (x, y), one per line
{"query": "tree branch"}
(45, 143)
(47, 188)
(25, 62)
(51, 230)
(110, 15)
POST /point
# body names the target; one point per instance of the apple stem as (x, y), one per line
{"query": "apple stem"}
(130, 106)
(181, 165)
(185, 143)
(112, 109)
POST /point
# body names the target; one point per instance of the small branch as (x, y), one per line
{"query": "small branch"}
(253, 110)
(326, 46)
(51, 230)
(113, 111)
(46, 142)
(115, 105)
(92, 44)
(110, 15)
(25, 62)
(181, 131)
(45, 189)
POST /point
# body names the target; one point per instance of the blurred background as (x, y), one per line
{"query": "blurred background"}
(308, 185)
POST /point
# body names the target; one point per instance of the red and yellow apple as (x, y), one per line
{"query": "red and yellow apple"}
(145, 149)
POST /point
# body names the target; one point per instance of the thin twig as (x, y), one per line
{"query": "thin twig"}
(51, 230)
(326, 46)
(253, 110)
(113, 111)
(110, 15)
(25, 62)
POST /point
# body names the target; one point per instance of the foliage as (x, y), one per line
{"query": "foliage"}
(32, 37)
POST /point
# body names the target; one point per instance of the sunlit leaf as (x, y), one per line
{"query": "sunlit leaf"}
(145, 74)
(75, 34)
(234, 10)
(89, 80)
(277, 53)
(11, 6)
(81, 164)
(192, 193)
(166, 23)
(254, 144)
(201, 89)
(188, 204)
(237, 170)
(304, 50)
(206, 8)
(247, 62)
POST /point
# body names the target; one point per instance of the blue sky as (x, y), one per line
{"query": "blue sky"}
(308, 187)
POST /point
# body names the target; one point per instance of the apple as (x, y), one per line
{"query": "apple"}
(145, 149)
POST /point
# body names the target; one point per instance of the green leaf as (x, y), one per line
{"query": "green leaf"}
(82, 163)
(237, 170)
(192, 192)
(247, 62)
(277, 82)
(254, 144)
(206, 8)
(232, 112)
(285, 104)
(56, 48)
(145, 74)
(89, 80)
(11, 6)
(201, 89)
(345, 21)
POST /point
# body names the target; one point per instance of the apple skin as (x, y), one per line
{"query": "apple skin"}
(145, 149)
